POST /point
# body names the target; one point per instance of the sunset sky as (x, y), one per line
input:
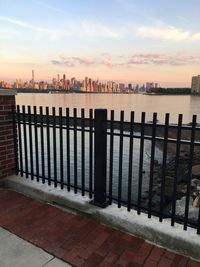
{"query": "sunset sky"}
(122, 40)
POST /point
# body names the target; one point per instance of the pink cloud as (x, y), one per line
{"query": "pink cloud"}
(84, 60)
(150, 55)
(163, 58)
(141, 58)
(107, 61)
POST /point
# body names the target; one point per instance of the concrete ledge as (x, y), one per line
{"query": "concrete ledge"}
(174, 238)
(7, 92)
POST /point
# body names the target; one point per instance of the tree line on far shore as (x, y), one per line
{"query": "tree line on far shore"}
(171, 91)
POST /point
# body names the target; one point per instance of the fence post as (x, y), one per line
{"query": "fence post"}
(100, 157)
(8, 158)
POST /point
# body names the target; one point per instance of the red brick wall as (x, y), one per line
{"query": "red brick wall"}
(7, 150)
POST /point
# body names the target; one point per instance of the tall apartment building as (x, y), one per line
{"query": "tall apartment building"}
(33, 79)
(149, 85)
(121, 87)
(196, 84)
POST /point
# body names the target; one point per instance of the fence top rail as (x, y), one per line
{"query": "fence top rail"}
(116, 123)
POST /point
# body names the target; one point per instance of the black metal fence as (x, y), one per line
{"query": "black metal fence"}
(146, 166)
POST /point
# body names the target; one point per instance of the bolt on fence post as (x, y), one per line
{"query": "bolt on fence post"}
(100, 157)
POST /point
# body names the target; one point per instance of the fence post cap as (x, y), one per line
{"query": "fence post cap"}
(100, 109)
(100, 112)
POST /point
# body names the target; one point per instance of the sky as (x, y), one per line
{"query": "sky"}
(133, 41)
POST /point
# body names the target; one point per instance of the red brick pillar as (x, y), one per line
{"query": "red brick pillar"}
(7, 145)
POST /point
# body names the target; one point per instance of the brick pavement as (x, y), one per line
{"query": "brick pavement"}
(78, 239)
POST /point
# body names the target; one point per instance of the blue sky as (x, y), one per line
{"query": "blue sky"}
(123, 40)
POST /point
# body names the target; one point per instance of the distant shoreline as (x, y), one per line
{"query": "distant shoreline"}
(160, 94)
(64, 91)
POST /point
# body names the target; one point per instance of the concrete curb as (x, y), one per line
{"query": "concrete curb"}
(174, 238)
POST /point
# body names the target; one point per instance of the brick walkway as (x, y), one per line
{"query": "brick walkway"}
(80, 240)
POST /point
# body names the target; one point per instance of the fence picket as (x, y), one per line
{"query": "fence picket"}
(44, 151)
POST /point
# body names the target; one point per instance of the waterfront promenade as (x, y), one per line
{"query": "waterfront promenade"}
(76, 239)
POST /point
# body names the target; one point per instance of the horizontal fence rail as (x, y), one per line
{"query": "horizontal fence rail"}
(145, 166)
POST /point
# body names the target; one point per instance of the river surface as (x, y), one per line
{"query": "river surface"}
(186, 105)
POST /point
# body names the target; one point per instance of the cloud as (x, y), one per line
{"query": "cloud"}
(163, 59)
(107, 61)
(195, 36)
(84, 28)
(73, 61)
(13, 21)
(150, 55)
(103, 60)
(55, 62)
(84, 60)
(65, 63)
(39, 31)
(142, 58)
(148, 58)
(95, 29)
(22, 24)
(167, 32)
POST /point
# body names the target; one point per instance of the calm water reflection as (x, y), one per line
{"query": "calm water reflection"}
(187, 105)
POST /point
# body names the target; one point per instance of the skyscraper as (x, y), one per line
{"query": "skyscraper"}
(33, 79)
(86, 84)
(196, 84)
(64, 81)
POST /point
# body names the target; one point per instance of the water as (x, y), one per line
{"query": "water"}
(186, 105)
(135, 164)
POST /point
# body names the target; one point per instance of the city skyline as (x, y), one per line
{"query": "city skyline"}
(85, 84)
(121, 40)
